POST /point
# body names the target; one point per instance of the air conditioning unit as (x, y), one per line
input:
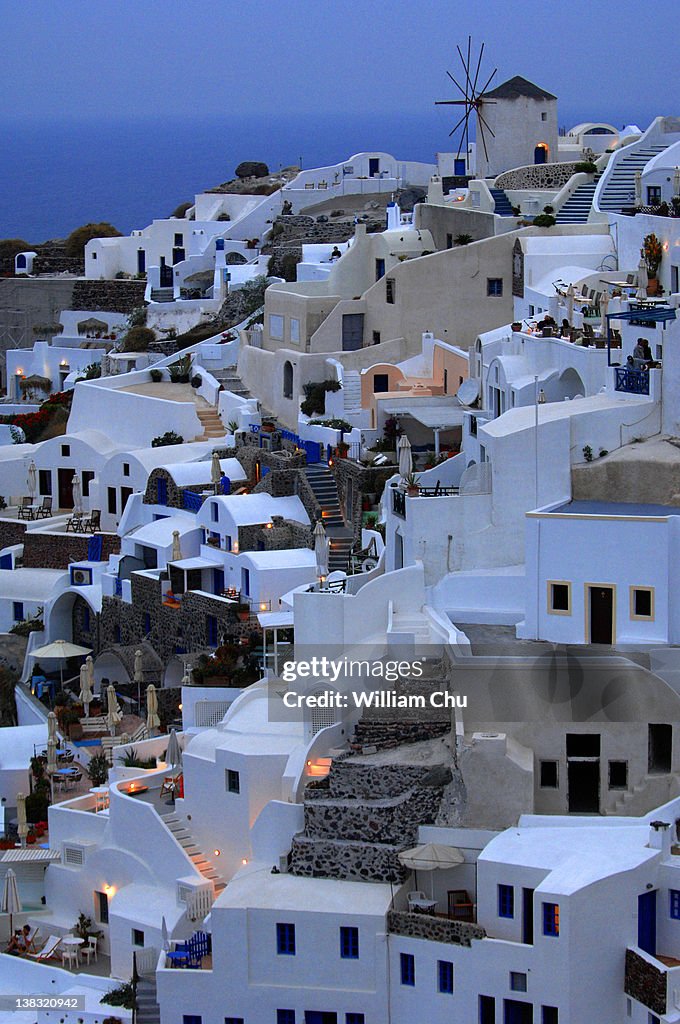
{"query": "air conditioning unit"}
(81, 577)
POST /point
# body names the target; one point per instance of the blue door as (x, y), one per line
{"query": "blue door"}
(162, 490)
(5, 561)
(218, 581)
(541, 154)
(647, 922)
(320, 1017)
(459, 168)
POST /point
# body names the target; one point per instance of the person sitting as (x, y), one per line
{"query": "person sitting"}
(639, 357)
(565, 328)
(18, 944)
(336, 254)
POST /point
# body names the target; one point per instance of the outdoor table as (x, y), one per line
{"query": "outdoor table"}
(178, 957)
(72, 940)
(424, 906)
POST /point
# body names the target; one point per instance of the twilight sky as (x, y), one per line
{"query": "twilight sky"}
(124, 58)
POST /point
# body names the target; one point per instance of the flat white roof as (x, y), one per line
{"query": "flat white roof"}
(16, 745)
(146, 904)
(185, 473)
(29, 584)
(248, 509)
(161, 530)
(256, 888)
(274, 620)
(523, 417)
(284, 558)
(168, 454)
(198, 562)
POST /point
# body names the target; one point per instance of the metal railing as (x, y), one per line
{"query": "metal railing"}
(399, 502)
(191, 501)
(632, 382)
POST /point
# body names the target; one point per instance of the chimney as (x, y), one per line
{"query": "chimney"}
(660, 837)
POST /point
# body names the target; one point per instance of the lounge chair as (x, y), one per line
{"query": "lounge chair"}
(49, 949)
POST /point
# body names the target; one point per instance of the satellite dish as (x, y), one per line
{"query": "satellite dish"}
(468, 392)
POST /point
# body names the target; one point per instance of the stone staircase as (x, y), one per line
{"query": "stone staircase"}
(362, 815)
(618, 189)
(503, 206)
(386, 728)
(162, 295)
(231, 381)
(341, 537)
(577, 208)
(211, 423)
(178, 828)
(148, 1010)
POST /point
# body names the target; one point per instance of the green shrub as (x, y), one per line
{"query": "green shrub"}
(156, 376)
(544, 220)
(315, 396)
(91, 372)
(78, 239)
(98, 769)
(123, 995)
(585, 167)
(169, 437)
(463, 239)
(9, 247)
(181, 370)
(335, 424)
(251, 169)
(36, 806)
(138, 339)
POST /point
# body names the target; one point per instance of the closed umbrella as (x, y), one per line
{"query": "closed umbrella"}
(113, 711)
(165, 938)
(321, 545)
(215, 472)
(638, 188)
(571, 295)
(89, 665)
(173, 755)
(176, 554)
(31, 478)
(405, 460)
(152, 719)
(51, 765)
(604, 306)
(85, 695)
(77, 493)
(22, 823)
(10, 902)
(139, 677)
(676, 181)
(51, 726)
(642, 280)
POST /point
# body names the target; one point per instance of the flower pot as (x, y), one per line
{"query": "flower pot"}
(267, 428)
(652, 285)
(413, 492)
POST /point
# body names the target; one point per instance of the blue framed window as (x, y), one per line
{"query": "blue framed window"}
(506, 901)
(147, 623)
(214, 511)
(551, 919)
(494, 286)
(674, 903)
(192, 1018)
(233, 781)
(408, 969)
(285, 939)
(18, 611)
(445, 975)
(354, 1018)
(349, 943)
(285, 1017)
(233, 1020)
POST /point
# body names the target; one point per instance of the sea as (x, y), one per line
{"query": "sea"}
(56, 176)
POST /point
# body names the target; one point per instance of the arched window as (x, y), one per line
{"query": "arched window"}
(287, 379)
(21, 261)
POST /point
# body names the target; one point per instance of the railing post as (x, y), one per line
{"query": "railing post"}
(134, 980)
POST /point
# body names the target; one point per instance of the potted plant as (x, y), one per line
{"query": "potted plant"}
(267, 427)
(342, 448)
(412, 488)
(652, 254)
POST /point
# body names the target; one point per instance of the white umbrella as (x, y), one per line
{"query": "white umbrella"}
(22, 823)
(405, 460)
(676, 181)
(604, 306)
(77, 493)
(430, 857)
(31, 478)
(176, 554)
(642, 280)
(85, 695)
(152, 719)
(638, 188)
(139, 677)
(571, 295)
(321, 546)
(173, 755)
(215, 472)
(165, 938)
(51, 726)
(113, 717)
(60, 650)
(10, 902)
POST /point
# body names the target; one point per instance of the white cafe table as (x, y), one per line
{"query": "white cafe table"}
(425, 905)
(72, 940)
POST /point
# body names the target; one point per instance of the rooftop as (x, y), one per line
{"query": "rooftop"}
(516, 87)
(616, 508)
(257, 888)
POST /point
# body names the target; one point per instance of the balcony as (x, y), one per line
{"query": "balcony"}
(652, 980)
(632, 382)
(429, 926)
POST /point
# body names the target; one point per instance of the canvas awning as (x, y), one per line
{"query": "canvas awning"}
(91, 324)
(430, 856)
(436, 417)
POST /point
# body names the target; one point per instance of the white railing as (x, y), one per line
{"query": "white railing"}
(146, 959)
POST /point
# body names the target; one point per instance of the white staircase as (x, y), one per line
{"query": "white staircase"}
(351, 391)
(617, 187)
(178, 828)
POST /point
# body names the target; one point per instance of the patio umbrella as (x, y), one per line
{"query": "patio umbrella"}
(77, 493)
(22, 823)
(60, 650)
(321, 545)
(176, 553)
(676, 181)
(430, 857)
(215, 472)
(604, 306)
(405, 460)
(89, 665)
(139, 677)
(85, 695)
(638, 188)
(51, 765)
(152, 719)
(571, 295)
(173, 755)
(10, 902)
(165, 938)
(113, 717)
(31, 478)
(642, 280)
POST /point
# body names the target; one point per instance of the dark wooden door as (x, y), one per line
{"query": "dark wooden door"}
(601, 615)
(65, 487)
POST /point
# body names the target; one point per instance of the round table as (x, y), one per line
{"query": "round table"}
(72, 940)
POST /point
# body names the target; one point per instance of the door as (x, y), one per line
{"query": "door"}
(320, 1017)
(218, 581)
(65, 487)
(601, 614)
(373, 167)
(516, 1011)
(660, 749)
(528, 916)
(178, 255)
(381, 383)
(541, 154)
(647, 922)
(161, 490)
(352, 331)
(379, 269)
(459, 168)
(487, 1010)
(141, 261)
(125, 493)
(165, 274)
(245, 582)
(583, 773)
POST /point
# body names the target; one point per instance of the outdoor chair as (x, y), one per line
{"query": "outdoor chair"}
(76, 523)
(25, 510)
(89, 951)
(460, 905)
(417, 894)
(69, 956)
(93, 524)
(45, 510)
(49, 949)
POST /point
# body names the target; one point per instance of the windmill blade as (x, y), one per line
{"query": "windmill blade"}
(483, 138)
(463, 132)
(488, 82)
(457, 84)
(450, 103)
(466, 114)
(486, 124)
(479, 64)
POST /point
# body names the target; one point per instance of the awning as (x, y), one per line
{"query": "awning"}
(437, 417)
(31, 854)
(658, 314)
(430, 856)
(197, 562)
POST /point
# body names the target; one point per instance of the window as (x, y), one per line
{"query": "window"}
(544, 116)
(294, 329)
(211, 630)
(674, 903)
(233, 781)
(233, 1020)
(379, 269)
(101, 902)
(192, 1018)
(390, 290)
(45, 481)
(126, 469)
(652, 1019)
(285, 1017)
(675, 279)
(179, 240)
(275, 326)
(147, 623)
(116, 634)
(287, 379)
(111, 500)
(408, 969)
(137, 937)
(518, 981)
(285, 939)
(349, 943)
(549, 1015)
(18, 611)
(445, 976)
(642, 603)
(551, 919)
(449, 241)
(376, 337)
(494, 286)
(87, 476)
(381, 383)
(559, 598)
(94, 255)
(65, 451)
(506, 901)
(653, 195)
(214, 511)
(354, 1018)
(549, 778)
(618, 775)
(245, 581)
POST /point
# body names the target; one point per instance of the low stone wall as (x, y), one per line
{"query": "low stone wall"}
(388, 822)
(436, 929)
(538, 176)
(356, 779)
(354, 862)
(284, 534)
(645, 982)
(111, 296)
(386, 735)
(11, 533)
(365, 480)
(58, 550)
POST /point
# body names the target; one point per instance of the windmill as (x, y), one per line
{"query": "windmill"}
(471, 99)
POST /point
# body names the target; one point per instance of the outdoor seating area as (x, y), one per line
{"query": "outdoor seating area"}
(82, 522)
(31, 509)
(192, 954)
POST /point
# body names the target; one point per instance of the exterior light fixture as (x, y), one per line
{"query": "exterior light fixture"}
(244, 861)
(216, 853)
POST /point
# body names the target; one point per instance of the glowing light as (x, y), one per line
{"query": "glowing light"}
(244, 861)
(180, 706)
(269, 526)
(309, 764)
(263, 606)
(216, 853)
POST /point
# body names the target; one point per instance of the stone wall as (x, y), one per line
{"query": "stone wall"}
(392, 821)
(386, 735)
(353, 862)
(436, 929)
(284, 534)
(58, 550)
(365, 480)
(11, 533)
(538, 176)
(111, 296)
(645, 982)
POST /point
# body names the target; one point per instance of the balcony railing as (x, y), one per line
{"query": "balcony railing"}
(437, 929)
(632, 382)
(192, 501)
(399, 502)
